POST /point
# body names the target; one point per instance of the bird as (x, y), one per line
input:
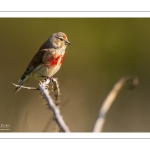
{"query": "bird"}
(47, 61)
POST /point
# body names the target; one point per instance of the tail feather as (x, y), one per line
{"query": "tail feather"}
(21, 82)
(18, 88)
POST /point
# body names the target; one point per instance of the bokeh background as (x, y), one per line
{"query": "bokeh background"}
(102, 50)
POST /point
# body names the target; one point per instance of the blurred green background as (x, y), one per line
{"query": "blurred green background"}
(102, 50)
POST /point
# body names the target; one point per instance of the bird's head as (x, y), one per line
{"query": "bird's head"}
(59, 40)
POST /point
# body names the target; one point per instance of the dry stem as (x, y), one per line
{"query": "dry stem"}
(45, 93)
(110, 99)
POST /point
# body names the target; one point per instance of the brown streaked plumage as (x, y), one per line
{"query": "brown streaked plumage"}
(48, 59)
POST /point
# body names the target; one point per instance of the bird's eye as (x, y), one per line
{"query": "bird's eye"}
(61, 38)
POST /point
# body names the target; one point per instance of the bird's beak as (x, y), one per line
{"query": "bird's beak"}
(67, 43)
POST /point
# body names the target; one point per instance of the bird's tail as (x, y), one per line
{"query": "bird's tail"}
(21, 82)
(18, 88)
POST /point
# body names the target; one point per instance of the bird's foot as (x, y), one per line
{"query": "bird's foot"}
(46, 81)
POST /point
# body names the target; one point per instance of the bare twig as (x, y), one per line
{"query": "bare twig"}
(53, 107)
(25, 87)
(56, 90)
(110, 99)
(43, 87)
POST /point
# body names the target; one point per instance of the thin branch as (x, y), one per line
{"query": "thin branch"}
(53, 107)
(26, 87)
(56, 91)
(110, 99)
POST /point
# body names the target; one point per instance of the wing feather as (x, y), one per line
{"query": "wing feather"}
(36, 60)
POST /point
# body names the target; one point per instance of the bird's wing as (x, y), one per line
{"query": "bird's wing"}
(36, 60)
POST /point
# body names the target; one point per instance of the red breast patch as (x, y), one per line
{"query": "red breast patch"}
(55, 61)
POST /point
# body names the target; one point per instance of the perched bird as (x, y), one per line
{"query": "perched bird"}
(48, 59)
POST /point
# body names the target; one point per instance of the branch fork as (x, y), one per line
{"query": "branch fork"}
(43, 87)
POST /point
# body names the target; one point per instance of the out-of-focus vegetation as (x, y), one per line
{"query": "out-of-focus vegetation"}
(101, 51)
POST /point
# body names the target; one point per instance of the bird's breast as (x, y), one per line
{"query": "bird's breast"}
(53, 61)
